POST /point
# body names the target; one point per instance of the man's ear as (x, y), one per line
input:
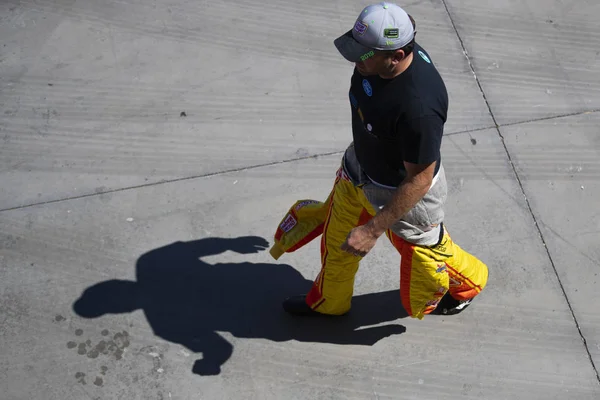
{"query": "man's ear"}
(399, 55)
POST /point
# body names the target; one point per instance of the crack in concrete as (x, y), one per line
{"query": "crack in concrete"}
(295, 159)
(549, 118)
(82, 196)
(520, 183)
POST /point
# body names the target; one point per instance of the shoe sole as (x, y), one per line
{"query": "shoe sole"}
(456, 310)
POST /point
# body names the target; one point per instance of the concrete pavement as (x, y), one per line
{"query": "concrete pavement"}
(149, 150)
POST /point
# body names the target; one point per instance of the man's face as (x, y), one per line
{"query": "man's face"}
(378, 64)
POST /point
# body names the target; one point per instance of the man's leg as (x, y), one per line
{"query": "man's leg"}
(440, 279)
(468, 276)
(424, 279)
(332, 290)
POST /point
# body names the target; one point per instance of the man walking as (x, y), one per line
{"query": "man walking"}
(391, 180)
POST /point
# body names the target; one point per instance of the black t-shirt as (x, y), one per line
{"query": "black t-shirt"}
(397, 120)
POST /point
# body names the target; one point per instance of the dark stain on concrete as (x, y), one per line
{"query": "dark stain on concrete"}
(80, 376)
(121, 339)
(102, 347)
(59, 318)
(108, 347)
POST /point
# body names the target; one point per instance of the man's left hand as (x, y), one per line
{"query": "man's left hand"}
(360, 241)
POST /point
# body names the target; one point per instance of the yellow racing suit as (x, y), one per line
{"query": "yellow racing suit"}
(431, 263)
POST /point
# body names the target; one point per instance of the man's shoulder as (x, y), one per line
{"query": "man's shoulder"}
(428, 93)
(420, 51)
(425, 65)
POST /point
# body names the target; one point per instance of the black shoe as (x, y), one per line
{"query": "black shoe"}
(450, 306)
(296, 305)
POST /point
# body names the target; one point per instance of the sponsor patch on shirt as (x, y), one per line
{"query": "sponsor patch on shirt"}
(424, 57)
(367, 87)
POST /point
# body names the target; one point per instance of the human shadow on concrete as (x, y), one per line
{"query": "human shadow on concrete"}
(187, 300)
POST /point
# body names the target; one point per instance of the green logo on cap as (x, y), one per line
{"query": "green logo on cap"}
(367, 55)
(391, 33)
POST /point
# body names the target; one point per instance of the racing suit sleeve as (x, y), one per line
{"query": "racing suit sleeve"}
(303, 222)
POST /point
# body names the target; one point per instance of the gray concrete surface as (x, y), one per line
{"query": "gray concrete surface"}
(560, 171)
(534, 58)
(109, 194)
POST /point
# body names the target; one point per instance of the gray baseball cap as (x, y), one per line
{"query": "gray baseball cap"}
(381, 26)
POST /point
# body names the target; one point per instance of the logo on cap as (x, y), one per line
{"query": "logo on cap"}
(367, 55)
(360, 27)
(391, 33)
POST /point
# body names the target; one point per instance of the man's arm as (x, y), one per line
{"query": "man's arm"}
(412, 189)
(420, 151)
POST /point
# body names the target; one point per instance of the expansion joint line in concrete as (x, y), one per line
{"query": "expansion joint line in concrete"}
(518, 178)
(186, 178)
